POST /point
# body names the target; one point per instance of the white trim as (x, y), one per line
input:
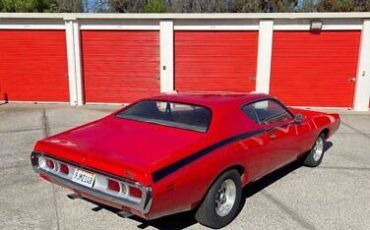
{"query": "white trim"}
(328, 24)
(265, 38)
(31, 27)
(36, 24)
(205, 24)
(73, 95)
(223, 25)
(118, 27)
(119, 24)
(325, 27)
(78, 68)
(166, 56)
(362, 90)
(164, 16)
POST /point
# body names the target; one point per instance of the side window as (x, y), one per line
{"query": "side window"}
(266, 112)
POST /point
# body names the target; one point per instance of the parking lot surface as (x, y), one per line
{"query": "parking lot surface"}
(336, 195)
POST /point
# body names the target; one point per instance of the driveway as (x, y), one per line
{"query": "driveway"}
(335, 195)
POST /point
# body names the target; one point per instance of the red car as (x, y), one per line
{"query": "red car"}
(178, 152)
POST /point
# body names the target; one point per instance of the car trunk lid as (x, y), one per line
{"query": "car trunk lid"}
(124, 147)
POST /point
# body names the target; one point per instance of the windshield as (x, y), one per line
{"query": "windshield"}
(173, 114)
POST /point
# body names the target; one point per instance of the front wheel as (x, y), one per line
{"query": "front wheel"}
(314, 157)
(221, 204)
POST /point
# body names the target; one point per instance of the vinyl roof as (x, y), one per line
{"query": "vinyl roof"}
(212, 99)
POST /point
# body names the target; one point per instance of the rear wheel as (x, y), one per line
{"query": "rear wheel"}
(221, 204)
(314, 157)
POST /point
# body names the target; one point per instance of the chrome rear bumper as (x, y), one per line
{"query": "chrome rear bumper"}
(143, 205)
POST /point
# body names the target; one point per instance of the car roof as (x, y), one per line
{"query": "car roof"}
(212, 99)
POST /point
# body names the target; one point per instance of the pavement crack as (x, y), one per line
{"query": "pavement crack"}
(293, 214)
(17, 166)
(46, 132)
(45, 123)
(356, 130)
(19, 130)
(344, 168)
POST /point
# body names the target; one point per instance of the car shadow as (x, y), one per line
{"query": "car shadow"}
(186, 219)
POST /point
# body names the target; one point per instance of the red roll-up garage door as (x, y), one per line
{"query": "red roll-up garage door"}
(120, 66)
(33, 65)
(315, 69)
(215, 60)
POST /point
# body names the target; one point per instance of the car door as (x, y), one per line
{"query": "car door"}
(279, 132)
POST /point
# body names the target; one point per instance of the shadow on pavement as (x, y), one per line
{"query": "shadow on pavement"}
(186, 219)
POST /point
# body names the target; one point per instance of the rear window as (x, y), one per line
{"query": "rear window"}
(178, 115)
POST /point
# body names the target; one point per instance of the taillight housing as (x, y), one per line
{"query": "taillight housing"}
(114, 185)
(135, 192)
(50, 164)
(64, 169)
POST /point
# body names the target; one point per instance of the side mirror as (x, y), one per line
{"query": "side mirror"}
(298, 118)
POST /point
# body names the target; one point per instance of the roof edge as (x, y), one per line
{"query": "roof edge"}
(198, 16)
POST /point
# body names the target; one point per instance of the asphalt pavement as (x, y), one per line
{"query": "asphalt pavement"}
(336, 195)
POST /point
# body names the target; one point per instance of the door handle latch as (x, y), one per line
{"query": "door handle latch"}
(351, 79)
(252, 78)
(273, 136)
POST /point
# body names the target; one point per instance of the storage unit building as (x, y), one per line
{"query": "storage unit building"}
(304, 59)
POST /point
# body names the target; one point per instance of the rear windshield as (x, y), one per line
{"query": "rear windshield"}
(178, 115)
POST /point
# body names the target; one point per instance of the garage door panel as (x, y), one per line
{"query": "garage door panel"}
(215, 60)
(313, 69)
(33, 65)
(120, 66)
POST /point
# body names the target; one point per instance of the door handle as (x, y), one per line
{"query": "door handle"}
(252, 78)
(271, 133)
(351, 79)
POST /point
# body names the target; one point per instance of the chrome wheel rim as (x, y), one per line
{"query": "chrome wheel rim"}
(225, 197)
(318, 149)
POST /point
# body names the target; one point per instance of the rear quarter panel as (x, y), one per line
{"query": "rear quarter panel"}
(183, 189)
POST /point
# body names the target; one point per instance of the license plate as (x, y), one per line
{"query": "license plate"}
(84, 178)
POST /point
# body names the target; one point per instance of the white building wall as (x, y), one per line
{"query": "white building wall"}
(265, 38)
(362, 90)
(167, 23)
(166, 56)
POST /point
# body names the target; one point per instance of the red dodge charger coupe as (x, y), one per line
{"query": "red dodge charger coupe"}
(178, 152)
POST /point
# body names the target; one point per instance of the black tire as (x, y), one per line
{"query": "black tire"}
(206, 213)
(311, 160)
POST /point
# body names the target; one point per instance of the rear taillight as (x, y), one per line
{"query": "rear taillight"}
(135, 192)
(113, 185)
(50, 164)
(64, 169)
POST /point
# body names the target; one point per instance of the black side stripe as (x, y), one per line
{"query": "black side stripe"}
(160, 174)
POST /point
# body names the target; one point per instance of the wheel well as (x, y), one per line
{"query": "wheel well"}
(238, 168)
(326, 133)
